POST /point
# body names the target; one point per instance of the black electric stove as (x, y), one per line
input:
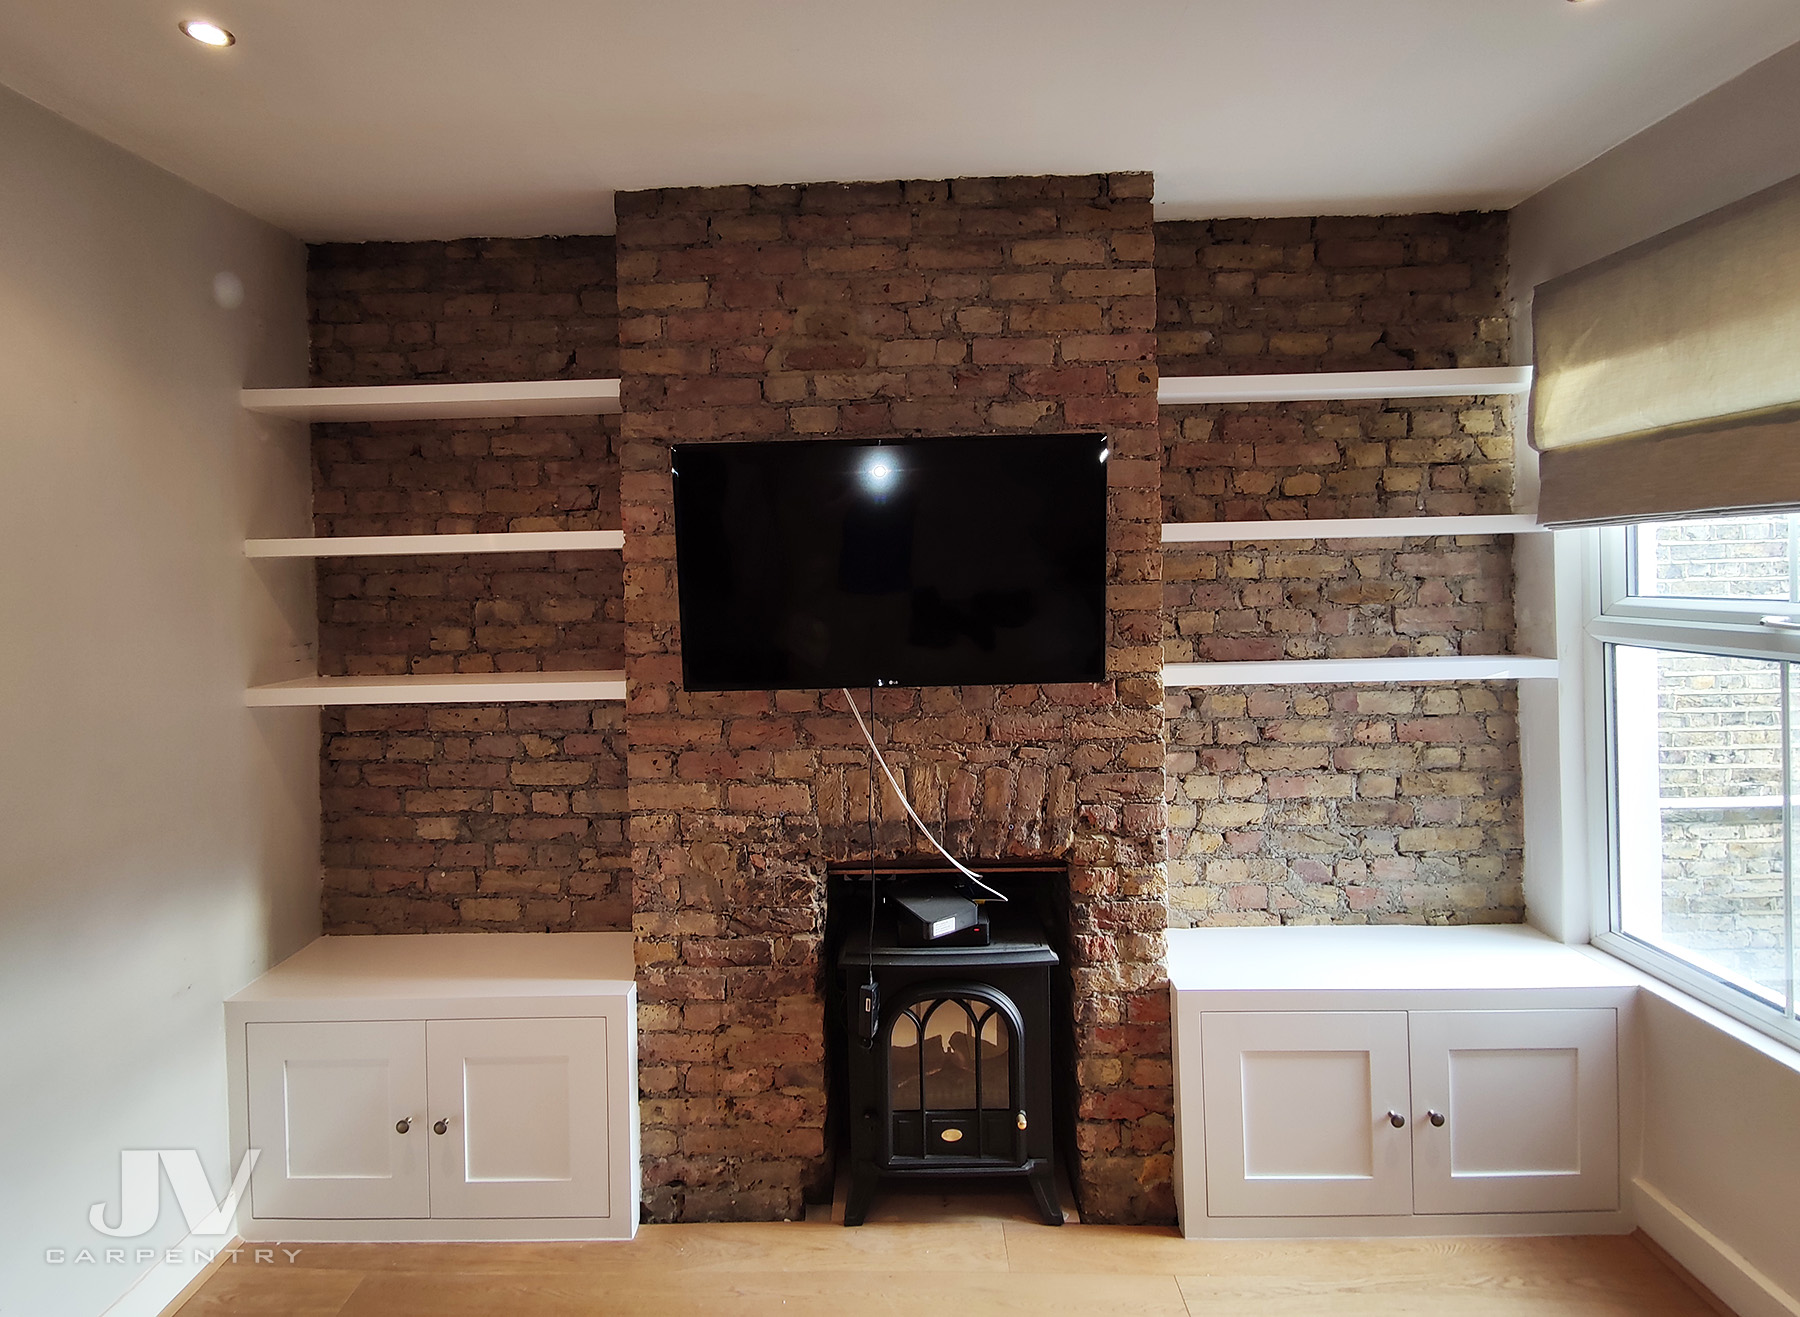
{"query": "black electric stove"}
(950, 1074)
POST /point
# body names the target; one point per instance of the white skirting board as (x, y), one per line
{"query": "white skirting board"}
(155, 1291)
(1714, 1263)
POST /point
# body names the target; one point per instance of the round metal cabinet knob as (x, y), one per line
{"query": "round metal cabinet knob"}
(1396, 1120)
(1435, 1117)
(441, 1127)
(402, 1125)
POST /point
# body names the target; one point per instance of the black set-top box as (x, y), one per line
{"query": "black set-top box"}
(937, 915)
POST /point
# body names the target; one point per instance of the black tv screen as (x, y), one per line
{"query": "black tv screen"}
(915, 562)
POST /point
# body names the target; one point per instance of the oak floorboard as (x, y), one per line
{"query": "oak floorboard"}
(1593, 1276)
(816, 1294)
(1347, 1299)
(974, 1267)
(697, 1249)
(1420, 1260)
(249, 1289)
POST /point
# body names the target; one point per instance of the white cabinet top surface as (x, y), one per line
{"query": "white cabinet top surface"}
(450, 965)
(1382, 958)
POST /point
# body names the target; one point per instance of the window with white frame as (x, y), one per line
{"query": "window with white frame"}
(1700, 631)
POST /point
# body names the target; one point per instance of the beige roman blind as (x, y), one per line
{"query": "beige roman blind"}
(1668, 374)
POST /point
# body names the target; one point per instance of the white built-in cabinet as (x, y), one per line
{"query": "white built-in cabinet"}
(1387, 1113)
(440, 1087)
(1518, 1111)
(337, 1116)
(1296, 1109)
(1396, 1080)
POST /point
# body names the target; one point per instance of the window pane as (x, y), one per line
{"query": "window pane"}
(1790, 932)
(1701, 850)
(1721, 558)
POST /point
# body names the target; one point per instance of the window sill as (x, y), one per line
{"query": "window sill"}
(1618, 951)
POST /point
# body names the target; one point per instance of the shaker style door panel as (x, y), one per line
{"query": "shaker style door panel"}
(1300, 1111)
(1515, 1111)
(523, 1104)
(337, 1111)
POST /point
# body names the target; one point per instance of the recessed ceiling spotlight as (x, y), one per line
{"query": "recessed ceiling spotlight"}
(207, 34)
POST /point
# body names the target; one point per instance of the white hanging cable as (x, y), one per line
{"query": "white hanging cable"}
(906, 804)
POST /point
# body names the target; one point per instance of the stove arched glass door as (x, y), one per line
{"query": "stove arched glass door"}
(952, 1063)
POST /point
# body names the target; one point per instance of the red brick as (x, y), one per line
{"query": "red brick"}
(956, 345)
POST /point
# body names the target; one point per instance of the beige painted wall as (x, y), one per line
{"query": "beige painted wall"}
(158, 840)
(1722, 1144)
(1721, 1115)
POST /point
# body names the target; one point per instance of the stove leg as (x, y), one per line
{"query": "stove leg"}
(1042, 1179)
(862, 1192)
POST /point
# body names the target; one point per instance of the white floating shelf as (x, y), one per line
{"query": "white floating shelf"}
(363, 546)
(594, 396)
(1344, 528)
(449, 688)
(1184, 390)
(1306, 672)
(421, 402)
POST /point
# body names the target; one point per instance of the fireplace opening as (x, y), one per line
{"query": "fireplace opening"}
(951, 1057)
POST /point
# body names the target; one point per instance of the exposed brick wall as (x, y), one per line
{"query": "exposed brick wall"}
(974, 768)
(457, 477)
(1352, 803)
(1277, 296)
(506, 817)
(467, 817)
(1289, 599)
(472, 311)
(1345, 804)
(514, 612)
(1333, 294)
(1384, 458)
(975, 306)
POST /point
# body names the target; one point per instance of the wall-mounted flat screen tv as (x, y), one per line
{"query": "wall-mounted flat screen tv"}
(901, 562)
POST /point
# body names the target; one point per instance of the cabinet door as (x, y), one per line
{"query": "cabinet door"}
(1298, 1113)
(325, 1101)
(1529, 1110)
(524, 1109)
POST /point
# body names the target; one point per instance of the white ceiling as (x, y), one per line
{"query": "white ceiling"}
(349, 119)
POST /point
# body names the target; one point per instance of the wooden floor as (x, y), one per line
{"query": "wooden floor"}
(954, 1265)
